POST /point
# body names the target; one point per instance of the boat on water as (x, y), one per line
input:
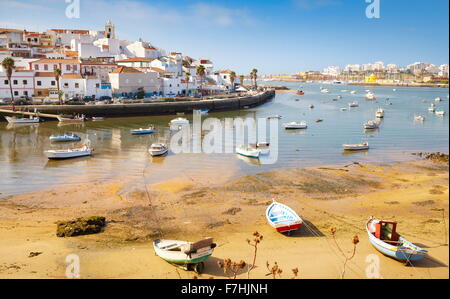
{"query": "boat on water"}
(22, 120)
(85, 150)
(76, 119)
(353, 105)
(141, 131)
(275, 117)
(438, 99)
(178, 123)
(65, 138)
(356, 147)
(440, 112)
(260, 144)
(185, 254)
(418, 117)
(325, 90)
(296, 125)
(202, 111)
(98, 118)
(380, 113)
(343, 109)
(282, 218)
(311, 106)
(353, 92)
(248, 151)
(319, 120)
(300, 92)
(394, 89)
(370, 96)
(384, 237)
(158, 149)
(432, 108)
(371, 125)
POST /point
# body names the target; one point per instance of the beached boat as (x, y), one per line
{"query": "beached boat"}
(20, 120)
(185, 254)
(418, 117)
(295, 125)
(353, 105)
(440, 112)
(283, 218)
(380, 113)
(370, 96)
(158, 149)
(371, 125)
(84, 151)
(384, 237)
(248, 151)
(356, 147)
(65, 138)
(76, 119)
(141, 131)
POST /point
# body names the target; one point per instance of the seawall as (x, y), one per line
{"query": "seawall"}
(156, 108)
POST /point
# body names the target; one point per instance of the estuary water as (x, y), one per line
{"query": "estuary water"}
(24, 167)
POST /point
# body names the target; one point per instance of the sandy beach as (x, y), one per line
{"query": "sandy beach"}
(342, 196)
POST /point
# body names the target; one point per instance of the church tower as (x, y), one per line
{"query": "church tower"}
(110, 30)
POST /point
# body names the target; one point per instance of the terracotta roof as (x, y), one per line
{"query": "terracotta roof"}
(44, 75)
(47, 60)
(158, 70)
(126, 70)
(72, 53)
(225, 72)
(10, 30)
(137, 59)
(71, 76)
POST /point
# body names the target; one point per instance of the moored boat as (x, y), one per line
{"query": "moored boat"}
(76, 119)
(371, 125)
(300, 92)
(438, 99)
(141, 131)
(65, 138)
(380, 113)
(84, 151)
(283, 218)
(370, 96)
(356, 147)
(440, 112)
(178, 123)
(19, 120)
(98, 118)
(275, 117)
(185, 254)
(432, 108)
(384, 237)
(248, 151)
(158, 149)
(353, 105)
(295, 125)
(418, 117)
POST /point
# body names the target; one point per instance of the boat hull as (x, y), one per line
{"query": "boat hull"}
(282, 218)
(13, 120)
(64, 155)
(288, 228)
(181, 258)
(158, 153)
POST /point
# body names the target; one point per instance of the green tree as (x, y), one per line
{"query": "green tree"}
(232, 79)
(255, 77)
(242, 77)
(57, 73)
(201, 71)
(188, 77)
(8, 66)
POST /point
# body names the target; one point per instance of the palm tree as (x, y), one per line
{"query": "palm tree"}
(188, 77)
(232, 79)
(255, 77)
(57, 73)
(201, 71)
(8, 66)
(242, 77)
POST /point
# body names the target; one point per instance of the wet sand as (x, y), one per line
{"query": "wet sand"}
(413, 193)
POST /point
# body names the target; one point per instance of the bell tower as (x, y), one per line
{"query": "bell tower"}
(110, 30)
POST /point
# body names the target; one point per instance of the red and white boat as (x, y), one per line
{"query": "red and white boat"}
(283, 218)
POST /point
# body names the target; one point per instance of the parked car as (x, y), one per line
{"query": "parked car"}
(74, 101)
(88, 99)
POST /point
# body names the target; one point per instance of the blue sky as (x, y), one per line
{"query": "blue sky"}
(283, 36)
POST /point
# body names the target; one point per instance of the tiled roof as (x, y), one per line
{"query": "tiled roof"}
(126, 70)
(42, 74)
(47, 60)
(137, 59)
(71, 76)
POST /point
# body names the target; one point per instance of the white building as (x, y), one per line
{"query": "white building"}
(352, 68)
(332, 71)
(443, 70)
(128, 81)
(67, 66)
(21, 81)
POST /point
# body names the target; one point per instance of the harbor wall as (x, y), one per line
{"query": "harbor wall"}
(156, 108)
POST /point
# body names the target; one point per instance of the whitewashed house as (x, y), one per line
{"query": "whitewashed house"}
(126, 81)
(22, 84)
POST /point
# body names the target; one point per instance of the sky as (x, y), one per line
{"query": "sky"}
(276, 36)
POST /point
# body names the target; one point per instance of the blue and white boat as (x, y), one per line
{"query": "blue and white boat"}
(384, 237)
(282, 218)
(202, 111)
(65, 138)
(142, 131)
(249, 152)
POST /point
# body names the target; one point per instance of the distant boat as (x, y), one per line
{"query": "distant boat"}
(325, 90)
(248, 151)
(440, 112)
(300, 92)
(65, 138)
(384, 237)
(370, 96)
(19, 120)
(311, 106)
(394, 89)
(353, 105)
(295, 125)
(202, 111)
(371, 125)
(418, 117)
(283, 218)
(178, 123)
(353, 92)
(158, 149)
(275, 117)
(432, 108)
(98, 118)
(343, 109)
(76, 119)
(380, 113)
(84, 151)
(319, 120)
(356, 147)
(185, 254)
(142, 131)
(438, 99)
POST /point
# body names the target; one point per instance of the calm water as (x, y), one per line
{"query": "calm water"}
(24, 167)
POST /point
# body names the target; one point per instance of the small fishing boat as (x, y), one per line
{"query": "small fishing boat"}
(380, 113)
(178, 123)
(185, 254)
(353, 92)
(432, 108)
(248, 151)
(438, 99)
(65, 138)
(84, 151)
(343, 109)
(371, 125)
(295, 125)
(142, 131)
(158, 149)
(384, 237)
(356, 147)
(325, 90)
(202, 111)
(319, 120)
(260, 144)
(98, 118)
(275, 117)
(370, 96)
(353, 105)
(22, 120)
(76, 119)
(283, 218)
(311, 106)
(440, 112)
(418, 117)
(300, 92)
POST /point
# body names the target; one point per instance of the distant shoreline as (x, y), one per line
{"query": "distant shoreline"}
(425, 85)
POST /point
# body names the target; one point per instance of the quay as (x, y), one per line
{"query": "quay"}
(144, 109)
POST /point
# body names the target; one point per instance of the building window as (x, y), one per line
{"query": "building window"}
(36, 67)
(55, 66)
(25, 82)
(77, 85)
(15, 82)
(75, 68)
(39, 83)
(66, 85)
(97, 85)
(53, 83)
(16, 93)
(68, 67)
(25, 93)
(6, 82)
(45, 67)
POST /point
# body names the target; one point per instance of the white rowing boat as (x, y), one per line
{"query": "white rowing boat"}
(84, 151)
(248, 151)
(158, 149)
(18, 120)
(356, 147)
(295, 125)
